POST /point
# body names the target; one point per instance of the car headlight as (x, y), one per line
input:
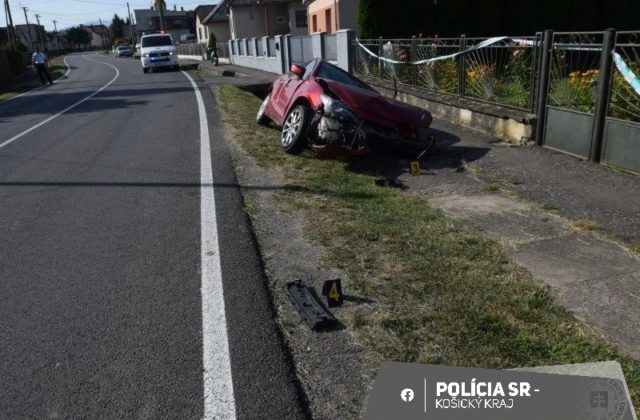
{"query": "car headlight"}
(333, 108)
(171, 53)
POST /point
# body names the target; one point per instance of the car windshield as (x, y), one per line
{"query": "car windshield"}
(331, 72)
(123, 48)
(157, 41)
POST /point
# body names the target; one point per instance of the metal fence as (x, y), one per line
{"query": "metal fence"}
(192, 49)
(573, 71)
(223, 49)
(624, 102)
(589, 98)
(201, 50)
(584, 87)
(499, 73)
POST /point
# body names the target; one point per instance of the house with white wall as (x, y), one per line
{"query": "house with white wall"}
(212, 19)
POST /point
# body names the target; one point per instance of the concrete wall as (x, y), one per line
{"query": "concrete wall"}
(507, 124)
(246, 56)
(246, 51)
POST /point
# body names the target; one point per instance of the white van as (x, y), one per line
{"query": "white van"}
(157, 50)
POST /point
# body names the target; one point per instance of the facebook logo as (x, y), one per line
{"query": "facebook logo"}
(407, 395)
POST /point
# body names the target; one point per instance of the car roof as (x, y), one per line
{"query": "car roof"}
(150, 35)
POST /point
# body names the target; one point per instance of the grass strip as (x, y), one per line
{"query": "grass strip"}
(443, 294)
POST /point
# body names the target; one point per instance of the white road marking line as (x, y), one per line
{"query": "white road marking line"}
(40, 87)
(218, 383)
(28, 130)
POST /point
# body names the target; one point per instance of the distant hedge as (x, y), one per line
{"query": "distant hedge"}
(404, 18)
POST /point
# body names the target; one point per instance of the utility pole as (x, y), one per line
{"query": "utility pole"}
(134, 38)
(39, 30)
(104, 41)
(55, 32)
(10, 28)
(160, 6)
(26, 19)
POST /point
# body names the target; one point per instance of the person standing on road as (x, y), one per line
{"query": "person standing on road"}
(39, 59)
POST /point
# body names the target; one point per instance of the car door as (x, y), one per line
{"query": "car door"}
(276, 91)
(286, 92)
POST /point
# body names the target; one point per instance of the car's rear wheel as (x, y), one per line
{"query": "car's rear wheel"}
(262, 118)
(294, 130)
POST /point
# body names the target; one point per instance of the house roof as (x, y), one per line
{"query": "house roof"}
(217, 14)
(203, 10)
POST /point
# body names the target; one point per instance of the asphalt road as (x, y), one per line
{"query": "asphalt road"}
(103, 214)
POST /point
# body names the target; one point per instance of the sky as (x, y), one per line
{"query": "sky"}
(69, 13)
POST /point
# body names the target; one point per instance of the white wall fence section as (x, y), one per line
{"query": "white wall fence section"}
(276, 54)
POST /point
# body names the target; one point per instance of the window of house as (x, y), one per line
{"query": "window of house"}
(281, 19)
(200, 33)
(301, 18)
(327, 20)
(314, 20)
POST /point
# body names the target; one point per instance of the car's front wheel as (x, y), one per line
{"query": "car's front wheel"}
(261, 117)
(294, 130)
(145, 69)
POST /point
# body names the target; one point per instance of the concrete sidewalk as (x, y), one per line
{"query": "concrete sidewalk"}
(564, 220)
(232, 74)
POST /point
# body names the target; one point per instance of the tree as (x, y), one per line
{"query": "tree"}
(117, 26)
(79, 36)
(366, 19)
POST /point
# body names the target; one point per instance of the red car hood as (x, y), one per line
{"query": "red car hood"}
(375, 108)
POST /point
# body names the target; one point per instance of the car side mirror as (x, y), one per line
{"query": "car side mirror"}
(298, 70)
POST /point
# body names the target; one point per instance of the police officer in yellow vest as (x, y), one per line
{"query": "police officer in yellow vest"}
(39, 59)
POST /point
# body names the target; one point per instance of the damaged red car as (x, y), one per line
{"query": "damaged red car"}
(322, 106)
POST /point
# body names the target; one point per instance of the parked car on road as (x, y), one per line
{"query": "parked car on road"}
(123, 51)
(157, 50)
(323, 106)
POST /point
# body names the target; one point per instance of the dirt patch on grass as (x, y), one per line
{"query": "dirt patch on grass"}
(430, 289)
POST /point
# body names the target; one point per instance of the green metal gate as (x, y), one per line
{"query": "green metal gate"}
(586, 107)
